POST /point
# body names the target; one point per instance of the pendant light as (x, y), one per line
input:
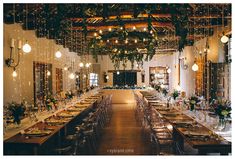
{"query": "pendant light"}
(58, 54)
(224, 39)
(195, 67)
(118, 72)
(26, 46)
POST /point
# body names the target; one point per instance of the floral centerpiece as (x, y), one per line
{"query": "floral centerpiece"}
(222, 108)
(165, 91)
(157, 87)
(17, 111)
(193, 100)
(175, 94)
(50, 102)
(69, 95)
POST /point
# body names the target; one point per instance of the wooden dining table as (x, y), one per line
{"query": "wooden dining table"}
(187, 129)
(56, 126)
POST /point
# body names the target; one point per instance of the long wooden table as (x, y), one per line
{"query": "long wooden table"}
(204, 140)
(24, 144)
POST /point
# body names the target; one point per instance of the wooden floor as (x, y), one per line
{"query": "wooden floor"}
(122, 136)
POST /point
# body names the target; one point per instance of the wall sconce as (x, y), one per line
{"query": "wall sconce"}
(183, 63)
(11, 62)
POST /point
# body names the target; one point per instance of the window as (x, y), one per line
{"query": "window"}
(93, 79)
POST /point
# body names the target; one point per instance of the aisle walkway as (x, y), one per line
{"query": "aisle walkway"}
(123, 135)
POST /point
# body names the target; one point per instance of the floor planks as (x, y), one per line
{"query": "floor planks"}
(122, 136)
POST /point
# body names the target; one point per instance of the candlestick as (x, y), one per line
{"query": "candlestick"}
(19, 44)
(12, 43)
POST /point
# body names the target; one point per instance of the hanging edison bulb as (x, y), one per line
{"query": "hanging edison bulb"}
(26, 47)
(195, 67)
(58, 54)
(224, 39)
(118, 72)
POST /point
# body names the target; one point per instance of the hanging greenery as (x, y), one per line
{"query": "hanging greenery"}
(125, 47)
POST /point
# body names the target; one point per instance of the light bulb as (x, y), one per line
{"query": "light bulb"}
(81, 64)
(58, 54)
(26, 47)
(134, 27)
(121, 28)
(137, 65)
(144, 29)
(195, 67)
(100, 31)
(108, 41)
(84, 76)
(48, 73)
(151, 31)
(135, 40)
(126, 41)
(95, 34)
(224, 39)
(65, 68)
(162, 86)
(71, 76)
(110, 29)
(116, 41)
(118, 72)
(14, 73)
(87, 65)
(168, 70)
(77, 76)
(107, 77)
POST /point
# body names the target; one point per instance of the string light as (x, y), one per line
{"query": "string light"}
(118, 72)
(145, 29)
(116, 41)
(65, 68)
(95, 34)
(151, 31)
(121, 28)
(100, 31)
(134, 28)
(108, 41)
(126, 41)
(110, 29)
(135, 40)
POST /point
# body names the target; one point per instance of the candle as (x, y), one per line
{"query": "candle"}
(19, 44)
(12, 43)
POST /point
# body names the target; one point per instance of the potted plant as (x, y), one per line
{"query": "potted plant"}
(17, 111)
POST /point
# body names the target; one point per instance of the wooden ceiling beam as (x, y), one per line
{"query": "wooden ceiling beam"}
(127, 26)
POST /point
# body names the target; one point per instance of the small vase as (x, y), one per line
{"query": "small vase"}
(221, 124)
(17, 120)
(192, 106)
